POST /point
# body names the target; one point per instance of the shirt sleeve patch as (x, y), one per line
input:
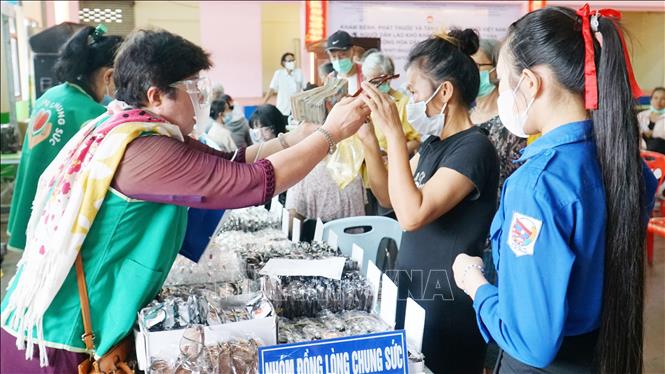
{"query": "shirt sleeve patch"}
(524, 231)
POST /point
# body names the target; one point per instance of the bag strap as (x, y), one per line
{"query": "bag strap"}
(88, 337)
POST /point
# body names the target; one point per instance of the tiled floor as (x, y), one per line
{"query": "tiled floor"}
(654, 313)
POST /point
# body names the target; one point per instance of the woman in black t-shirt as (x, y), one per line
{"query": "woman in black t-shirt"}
(444, 198)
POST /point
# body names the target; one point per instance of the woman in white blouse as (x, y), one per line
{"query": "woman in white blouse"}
(652, 122)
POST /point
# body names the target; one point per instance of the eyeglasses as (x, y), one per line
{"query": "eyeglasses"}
(197, 87)
(377, 81)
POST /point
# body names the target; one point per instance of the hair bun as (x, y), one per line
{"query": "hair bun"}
(468, 40)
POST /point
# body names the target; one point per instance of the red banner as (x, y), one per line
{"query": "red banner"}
(536, 4)
(316, 12)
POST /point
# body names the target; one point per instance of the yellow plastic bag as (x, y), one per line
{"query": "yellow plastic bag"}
(344, 165)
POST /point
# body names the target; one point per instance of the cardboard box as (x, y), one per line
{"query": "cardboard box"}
(167, 343)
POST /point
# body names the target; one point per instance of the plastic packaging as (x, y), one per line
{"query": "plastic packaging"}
(179, 308)
(327, 325)
(250, 219)
(307, 296)
(344, 165)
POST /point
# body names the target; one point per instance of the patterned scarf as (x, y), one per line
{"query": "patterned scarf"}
(69, 195)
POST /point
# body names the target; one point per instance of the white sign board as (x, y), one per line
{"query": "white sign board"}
(414, 324)
(295, 231)
(388, 300)
(318, 232)
(285, 222)
(332, 239)
(402, 24)
(276, 207)
(374, 280)
(357, 255)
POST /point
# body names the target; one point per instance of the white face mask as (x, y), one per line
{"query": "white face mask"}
(416, 114)
(255, 134)
(514, 122)
(290, 65)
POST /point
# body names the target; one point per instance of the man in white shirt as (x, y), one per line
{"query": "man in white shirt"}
(285, 82)
(339, 47)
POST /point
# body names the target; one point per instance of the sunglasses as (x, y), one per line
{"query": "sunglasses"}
(377, 81)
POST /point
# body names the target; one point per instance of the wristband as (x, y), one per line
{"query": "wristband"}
(466, 270)
(332, 146)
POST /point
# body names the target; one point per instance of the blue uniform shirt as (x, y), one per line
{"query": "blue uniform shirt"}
(548, 240)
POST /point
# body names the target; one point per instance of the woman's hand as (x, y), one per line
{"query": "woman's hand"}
(345, 118)
(468, 274)
(366, 134)
(384, 110)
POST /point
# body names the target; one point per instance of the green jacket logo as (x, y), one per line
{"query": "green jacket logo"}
(40, 128)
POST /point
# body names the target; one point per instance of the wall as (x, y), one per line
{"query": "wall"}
(280, 33)
(402, 24)
(4, 94)
(645, 32)
(33, 10)
(231, 32)
(623, 6)
(179, 17)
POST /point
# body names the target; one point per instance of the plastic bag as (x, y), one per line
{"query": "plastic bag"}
(344, 165)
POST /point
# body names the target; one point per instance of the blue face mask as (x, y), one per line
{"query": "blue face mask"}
(385, 88)
(228, 117)
(106, 100)
(342, 66)
(486, 86)
(657, 111)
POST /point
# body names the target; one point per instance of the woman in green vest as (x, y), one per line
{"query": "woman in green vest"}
(117, 195)
(85, 68)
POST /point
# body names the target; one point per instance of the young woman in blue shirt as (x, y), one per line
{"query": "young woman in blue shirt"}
(569, 235)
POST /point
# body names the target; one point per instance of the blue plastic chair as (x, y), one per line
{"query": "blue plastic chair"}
(375, 228)
(249, 110)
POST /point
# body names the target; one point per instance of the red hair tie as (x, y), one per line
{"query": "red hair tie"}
(590, 81)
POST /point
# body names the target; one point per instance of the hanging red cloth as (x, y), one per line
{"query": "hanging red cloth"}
(590, 76)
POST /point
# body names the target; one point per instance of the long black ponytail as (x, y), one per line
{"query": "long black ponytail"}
(553, 36)
(617, 142)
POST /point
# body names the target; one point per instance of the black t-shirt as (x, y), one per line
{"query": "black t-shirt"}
(451, 342)
(464, 228)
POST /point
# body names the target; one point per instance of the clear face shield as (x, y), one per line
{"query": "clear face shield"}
(200, 93)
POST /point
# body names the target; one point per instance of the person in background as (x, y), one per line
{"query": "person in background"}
(325, 70)
(443, 197)
(266, 123)
(358, 54)
(485, 113)
(652, 122)
(217, 135)
(236, 122)
(569, 236)
(85, 70)
(286, 82)
(118, 195)
(375, 65)
(340, 50)
(217, 92)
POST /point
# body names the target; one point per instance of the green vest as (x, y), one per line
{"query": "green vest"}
(126, 257)
(57, 116)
